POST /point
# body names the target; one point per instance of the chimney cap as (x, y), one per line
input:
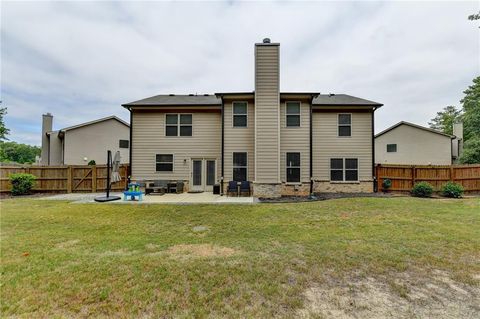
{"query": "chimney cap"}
(48, 114)
(266, 40)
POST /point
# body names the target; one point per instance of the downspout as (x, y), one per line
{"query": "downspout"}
(375, 186)
(130, 149)
(311, 146)
(223, 147)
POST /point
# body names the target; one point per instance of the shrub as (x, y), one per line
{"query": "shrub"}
(386, 184)
(92, 162)
(453, 190)
(422, 189)
(22, 183)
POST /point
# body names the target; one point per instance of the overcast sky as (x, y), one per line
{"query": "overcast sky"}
(80, 61)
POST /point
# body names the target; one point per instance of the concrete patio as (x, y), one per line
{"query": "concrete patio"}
(183, 198)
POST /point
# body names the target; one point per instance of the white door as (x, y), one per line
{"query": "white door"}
(203, 174)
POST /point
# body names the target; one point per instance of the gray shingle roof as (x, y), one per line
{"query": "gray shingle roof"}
(170, 99)
(342, 99)
(205, 100)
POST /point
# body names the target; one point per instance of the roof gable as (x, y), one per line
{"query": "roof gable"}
(113, 117)
(414, 126)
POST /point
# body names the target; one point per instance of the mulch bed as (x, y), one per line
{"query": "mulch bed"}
(325, 196)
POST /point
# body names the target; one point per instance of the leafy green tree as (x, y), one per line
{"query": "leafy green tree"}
(471, 151)
(18, 153)
(3, 130)
(471, 110)
(444, 120)
(475, 16)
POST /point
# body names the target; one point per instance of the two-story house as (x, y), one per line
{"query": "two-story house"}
(285, 143)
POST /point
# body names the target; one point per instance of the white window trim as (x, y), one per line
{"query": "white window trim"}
(299, 115)
(338, 125)
(233, 116)
(233, 166)
(178, 125)
(344, 169)
(287, 167)
(173, 163)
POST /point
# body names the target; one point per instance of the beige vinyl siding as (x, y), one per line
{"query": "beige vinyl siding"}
(149, 138)
(267, 113)
(295, 139)
(414, 147)
(239, 139)
(327, 144)
(56, 150)
(93, 141)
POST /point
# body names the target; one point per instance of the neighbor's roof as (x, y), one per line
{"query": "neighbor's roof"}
(209, 99)
(113, 117)
(415, 126)
(342, 99)
(173, 99)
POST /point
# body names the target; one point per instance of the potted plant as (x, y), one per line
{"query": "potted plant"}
(386, 184)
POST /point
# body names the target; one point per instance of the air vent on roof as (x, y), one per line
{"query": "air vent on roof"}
(171, 94)
(266, 40)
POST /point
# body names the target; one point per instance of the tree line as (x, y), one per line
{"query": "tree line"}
(469, 114)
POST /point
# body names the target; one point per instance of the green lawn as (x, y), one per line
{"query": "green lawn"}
(78, 260)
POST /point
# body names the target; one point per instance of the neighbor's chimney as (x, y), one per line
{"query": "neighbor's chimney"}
(458, 132)
(267, 112)
(47, 120)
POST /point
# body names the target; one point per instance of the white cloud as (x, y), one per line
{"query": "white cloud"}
(80, 61)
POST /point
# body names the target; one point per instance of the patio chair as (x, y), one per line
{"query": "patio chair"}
(176, 187)
(232, 187)
(245, 188)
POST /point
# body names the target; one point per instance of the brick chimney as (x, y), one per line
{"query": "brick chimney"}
(267, 118)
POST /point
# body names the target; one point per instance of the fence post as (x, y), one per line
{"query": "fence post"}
(451, 173)
(414, 175)
(94, 178)
(69, 179)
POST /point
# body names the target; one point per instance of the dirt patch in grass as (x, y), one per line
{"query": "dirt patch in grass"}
(396, 296)
(119, 253)
(200, 251)
(67, 244)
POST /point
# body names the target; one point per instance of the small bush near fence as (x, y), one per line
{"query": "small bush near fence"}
(22, 183)
(453, 190)
(422, 189)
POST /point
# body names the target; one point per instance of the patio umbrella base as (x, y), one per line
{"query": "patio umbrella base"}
(103, 199)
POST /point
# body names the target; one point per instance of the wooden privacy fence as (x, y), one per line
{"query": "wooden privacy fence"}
(403, 177)
(65, 179)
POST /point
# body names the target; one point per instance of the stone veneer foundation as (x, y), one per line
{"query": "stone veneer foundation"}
(262, 190)
(329, 187)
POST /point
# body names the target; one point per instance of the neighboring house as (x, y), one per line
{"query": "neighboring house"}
(285, 143)
(407, 143)
(77, 145)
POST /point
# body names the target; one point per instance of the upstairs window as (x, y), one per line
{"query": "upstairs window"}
(239, 167)
(178, 125)
(123, 143)
(344, 169)
(391, 148)
(293, 167)
(164, 162)
(344, 124)
(240, 114)
(292, 114)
